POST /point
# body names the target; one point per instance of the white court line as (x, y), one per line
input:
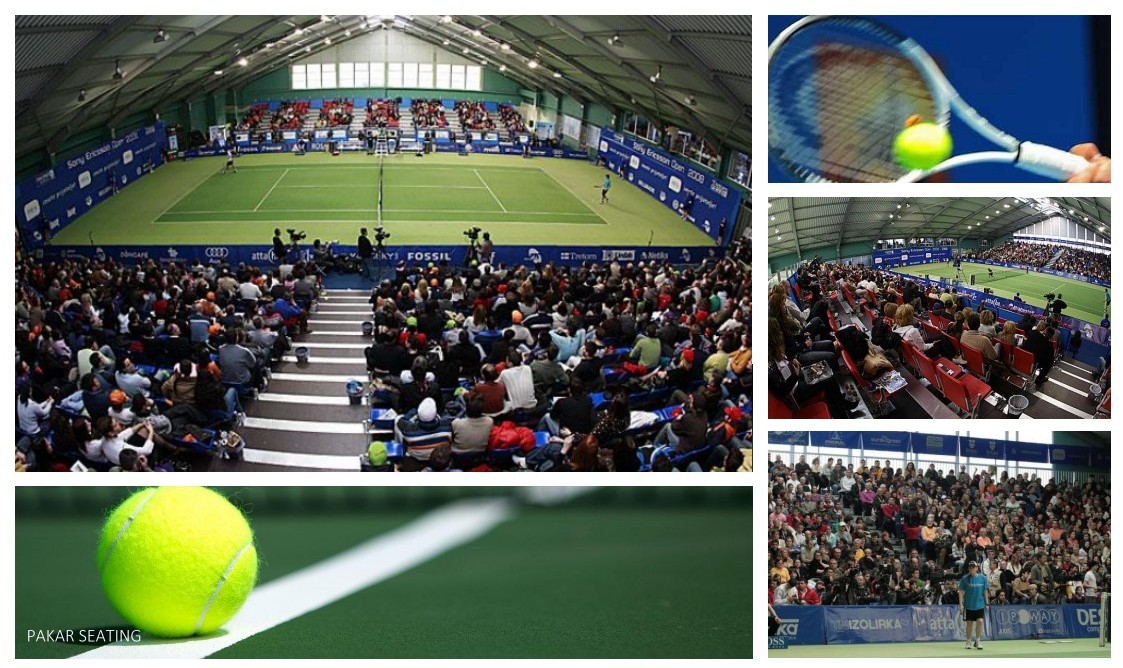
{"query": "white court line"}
(302, 460)
(305, 426)
(332, 579)
(367, 185)
(317, 378)
(1062, 405)
(354, 361)
(270, 191)
(567, 188)
(310, 399)
(477, 173)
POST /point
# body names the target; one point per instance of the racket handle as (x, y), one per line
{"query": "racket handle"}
(1049, 162)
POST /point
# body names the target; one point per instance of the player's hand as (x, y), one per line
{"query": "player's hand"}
(1099, 166)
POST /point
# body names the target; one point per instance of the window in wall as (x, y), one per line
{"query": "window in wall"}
(457, 77)
(299, 77)
(314, 80)
(473, 79)
(425, 75)
(409, 75)
(377, 75)
(394, 75)
(739, 168)
(328, 75)
(347, 75)
(362, 75)
(444, 76)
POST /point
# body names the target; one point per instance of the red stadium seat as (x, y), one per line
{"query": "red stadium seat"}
(966, 392)
(1024, 365)
(779, 410)
(976, 363)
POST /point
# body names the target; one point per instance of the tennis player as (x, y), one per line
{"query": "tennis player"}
(973, 603)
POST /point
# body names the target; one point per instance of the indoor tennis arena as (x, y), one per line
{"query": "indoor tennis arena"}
(939, 307)
(382, 243)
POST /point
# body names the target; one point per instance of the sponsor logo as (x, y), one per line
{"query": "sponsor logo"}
(633, 162)
(631, 177)
(45, 178)
(127, 157)
(89, 201)
(706, 226)
(133, 255)
(54, 224)
(674, 184)
(263, 256)
(696, 176)
(788, 627)
(31, 210)
(686, 255)
(173, 253)
(621, 255)
(138, 171)
(718, 189)
(866, 624)
(429, 256)
(534, 256)
(491, 149)
(662, 196)
(655, 255)
(71, 212)
(1046, 616)
(942, 624)
(877, 260)
(777, 642)
(38, 236)
(1090, 618)
(216, 252)
(84, 179)
(567, 256)
(124, 179)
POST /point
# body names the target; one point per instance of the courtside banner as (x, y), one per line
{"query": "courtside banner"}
(800, 625)
(935, 444)
(50, 200)
(850, 624)
(989, 448)
(670, 180)
(894, 257)
(1101, 459)
(1082, 620)
(262, 255)
(836, 439)
(937, 623)
(1070, 455)
(886, 441)
(1028, 452)
(788, 437)
(1014, 622)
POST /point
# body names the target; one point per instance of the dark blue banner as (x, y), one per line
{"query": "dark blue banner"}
(990, 448)
(903, 257)
(1070, 455)
(801, 625)
(671, 180)
(1011, 622)
(454, 255)
(836, 439)
(886, 441)
(1101, 459)
(1082, 620)
(788, 437)
(850, 624)
(1027, 452)
(937, 623)
(51, 200)
(935, 444)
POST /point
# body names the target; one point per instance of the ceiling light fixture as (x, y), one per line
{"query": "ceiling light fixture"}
(533, 63)
(82, 95)
(615, 40)
(299, 31)
(243, 62)
(477, 32)
(502, 68)
(161, 36)
(446, 19)
(654, 78)
(118, 75)
(505, 46)
(218, 73)
(557, 75)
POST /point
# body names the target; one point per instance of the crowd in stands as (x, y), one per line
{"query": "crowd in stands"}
(473, 115)
(289, 116)
(939, 323)
(1021, 252)
(336, 113)
(128, 367)
(383, 113)
(254, 116)
(1085, 263)
(846, 534)
(512, 120)
(428, 114)
(569, 352)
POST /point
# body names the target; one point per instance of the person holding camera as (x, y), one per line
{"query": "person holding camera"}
(1058, 305)
(280, 251)
(366, 254)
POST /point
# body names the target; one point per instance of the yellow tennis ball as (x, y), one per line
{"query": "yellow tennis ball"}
(922, 146)
(177, 561)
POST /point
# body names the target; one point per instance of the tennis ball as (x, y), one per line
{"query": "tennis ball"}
(922, 146)
(177, 561)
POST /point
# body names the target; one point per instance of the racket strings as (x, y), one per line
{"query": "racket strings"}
(836, 104)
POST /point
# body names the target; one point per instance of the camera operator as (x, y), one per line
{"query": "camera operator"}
(366, 253)
(1058, 306)
(280, 251)
(380, 236)
(859, 591)
(487, 249)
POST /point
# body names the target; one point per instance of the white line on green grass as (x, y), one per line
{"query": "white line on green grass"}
(286, 209)
(393, 187)
(270, 191)
(332, 579)
(477, 173)
(575, 195)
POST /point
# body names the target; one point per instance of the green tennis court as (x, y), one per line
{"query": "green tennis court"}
(1085, 301)
(428, 200)
(998, 649)
(616, 572)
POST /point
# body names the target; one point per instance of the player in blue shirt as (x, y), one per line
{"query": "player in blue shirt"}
(604, 188)
(974, 599)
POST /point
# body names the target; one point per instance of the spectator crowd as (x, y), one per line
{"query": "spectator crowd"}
(846, 534)
(473, 115)
(383, 113)
(336, 113)
(428, 114)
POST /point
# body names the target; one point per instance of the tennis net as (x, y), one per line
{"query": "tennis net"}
(985, 276)
(381, 170)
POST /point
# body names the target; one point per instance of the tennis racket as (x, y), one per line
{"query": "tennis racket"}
(840, 90)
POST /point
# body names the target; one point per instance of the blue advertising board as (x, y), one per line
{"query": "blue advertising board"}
(1082, 620)
(788, 437)
(989, 448)
(836, 439)
(671, 180)
(1070, 455)
(935, 444)
(800, 625)
(851, 624)
(1027, 452)
(1101, 459)
(886, 441)
(937, 623)
(50, 200)
(895, 257)
(1008, 622)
